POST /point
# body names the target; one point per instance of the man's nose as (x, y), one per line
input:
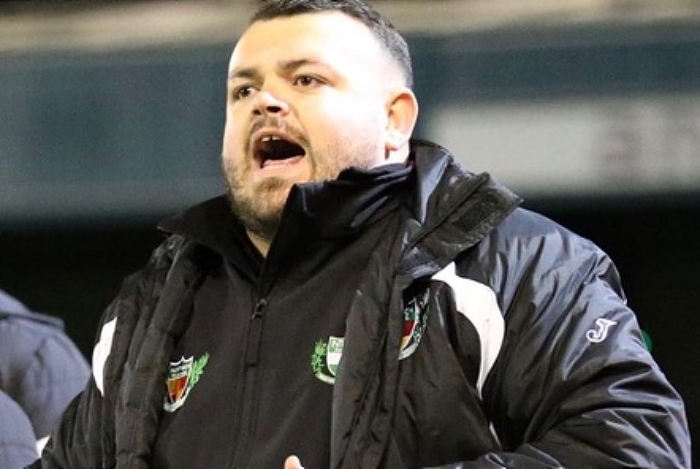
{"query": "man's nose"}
(266, 102)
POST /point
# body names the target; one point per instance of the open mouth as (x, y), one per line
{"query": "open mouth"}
(273, 150)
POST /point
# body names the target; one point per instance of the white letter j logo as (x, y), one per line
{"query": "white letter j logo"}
(601, 333)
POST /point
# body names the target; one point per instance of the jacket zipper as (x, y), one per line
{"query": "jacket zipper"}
(252, 352)
(249, 403)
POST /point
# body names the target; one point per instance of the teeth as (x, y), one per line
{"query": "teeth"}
(270, 138)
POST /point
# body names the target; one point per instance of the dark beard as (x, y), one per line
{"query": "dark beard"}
(264, 227)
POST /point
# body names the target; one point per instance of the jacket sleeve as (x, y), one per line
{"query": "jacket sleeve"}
(56, 372)
(17, 440)
(574, 385)
(84, 438)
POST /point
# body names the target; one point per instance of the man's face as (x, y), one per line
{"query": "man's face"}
(307, 97)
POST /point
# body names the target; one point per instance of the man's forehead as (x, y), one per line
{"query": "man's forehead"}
(315, 31)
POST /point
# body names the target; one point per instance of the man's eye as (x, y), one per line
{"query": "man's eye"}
(306, 81)
(242, 92)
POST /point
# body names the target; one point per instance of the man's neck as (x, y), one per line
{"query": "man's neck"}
(261, 244)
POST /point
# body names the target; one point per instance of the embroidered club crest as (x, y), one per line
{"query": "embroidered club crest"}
(326, 359)
(182, 377)
(333, 354)
(415, 315)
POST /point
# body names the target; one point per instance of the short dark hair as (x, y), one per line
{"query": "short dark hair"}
(389, 37)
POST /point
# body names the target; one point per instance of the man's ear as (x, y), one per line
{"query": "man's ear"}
(402, 114)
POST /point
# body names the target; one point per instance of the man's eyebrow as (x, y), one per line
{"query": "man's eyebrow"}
(291, 65)
(286, 66)
(246, 73)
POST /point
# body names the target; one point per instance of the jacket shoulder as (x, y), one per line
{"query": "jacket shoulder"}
(531, 255)
(530, 239)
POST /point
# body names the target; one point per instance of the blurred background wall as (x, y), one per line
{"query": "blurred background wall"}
(111, 115)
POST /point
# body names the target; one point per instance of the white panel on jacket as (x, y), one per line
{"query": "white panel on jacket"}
(101, 352)
(40, 445)
(478, 304)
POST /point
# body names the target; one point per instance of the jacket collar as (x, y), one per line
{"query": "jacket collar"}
(326, 210)
(212, 224)
(453, 209)
(441, 190)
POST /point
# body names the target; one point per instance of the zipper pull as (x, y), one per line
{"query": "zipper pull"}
(255, 333)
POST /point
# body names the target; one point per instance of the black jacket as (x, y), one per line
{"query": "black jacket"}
(479, 335)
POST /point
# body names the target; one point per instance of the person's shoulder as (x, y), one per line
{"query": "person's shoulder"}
(34, 343)
(16, 318)
(169, 248)
(527, 235)
(526, 224)
(10, 304)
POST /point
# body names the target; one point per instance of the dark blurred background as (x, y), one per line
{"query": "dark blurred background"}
(111, 114)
